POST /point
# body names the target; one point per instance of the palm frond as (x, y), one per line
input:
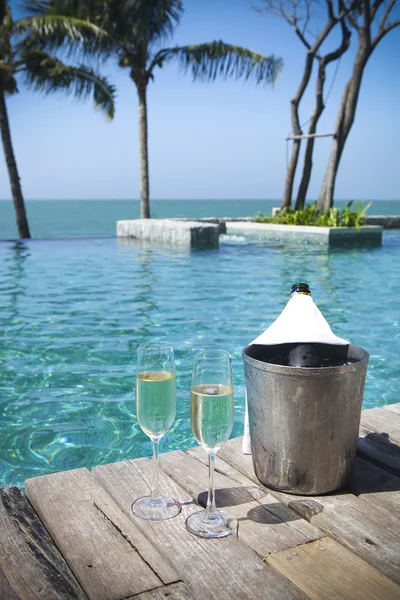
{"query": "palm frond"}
(208, 61)
(154, 20)
(7, 80)
(52, 32)
(48, 74)
(3, 10)
(6, 31)
(131, 22)
(35, 7)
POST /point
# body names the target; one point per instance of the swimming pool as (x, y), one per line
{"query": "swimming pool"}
(72, 313)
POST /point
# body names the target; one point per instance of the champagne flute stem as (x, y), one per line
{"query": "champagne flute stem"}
(155, 491)
(211, 509)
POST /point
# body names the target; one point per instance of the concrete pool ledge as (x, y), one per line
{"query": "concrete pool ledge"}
(183, 234)
(205, 234)
(366, 235)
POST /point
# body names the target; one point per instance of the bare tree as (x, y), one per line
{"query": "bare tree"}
(323, 61)
(372, 22)
(298, 14)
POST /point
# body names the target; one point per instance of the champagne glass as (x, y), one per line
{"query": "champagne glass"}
(211, 419)
(155, 412)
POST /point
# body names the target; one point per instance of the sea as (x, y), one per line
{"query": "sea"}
(97, 218)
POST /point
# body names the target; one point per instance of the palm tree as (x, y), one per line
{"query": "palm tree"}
(132, 31)
(21, 57)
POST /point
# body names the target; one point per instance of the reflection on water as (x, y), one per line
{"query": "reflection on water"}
(72, 314)
(143, 297)
(15, 260)
(139, 244)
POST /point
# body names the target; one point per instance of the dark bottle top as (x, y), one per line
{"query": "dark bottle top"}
(300, 288)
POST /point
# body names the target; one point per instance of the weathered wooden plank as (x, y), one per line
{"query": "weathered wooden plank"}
(382, 421)
(223, 568)
(279, 509)
(367, 530)
(380, 436)
(31, 567)
(6, 591)
(231, 453)
(375, 484)
(107, 553)
(377, 447)
(265, 524)
(392, 408)
(325, 569)
(372, 534)
(174, 591)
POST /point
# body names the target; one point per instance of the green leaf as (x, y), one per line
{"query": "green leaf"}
(217, 59)
(49, 74)
(349, 216)
(52, 32)
(127, 26)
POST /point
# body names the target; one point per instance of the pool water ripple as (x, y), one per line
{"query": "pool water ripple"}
(72, 313)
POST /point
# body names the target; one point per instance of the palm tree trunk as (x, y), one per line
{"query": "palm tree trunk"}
(144, 154)
(19, 206)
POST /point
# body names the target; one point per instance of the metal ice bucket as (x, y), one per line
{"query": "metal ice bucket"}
(304, 422)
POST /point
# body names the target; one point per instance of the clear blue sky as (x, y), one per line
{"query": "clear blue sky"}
(219, 140)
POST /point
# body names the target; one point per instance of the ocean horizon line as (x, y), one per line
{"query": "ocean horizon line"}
(194, 200)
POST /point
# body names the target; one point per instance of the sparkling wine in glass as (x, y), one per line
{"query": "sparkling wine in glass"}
(155, 411)
(211, 419)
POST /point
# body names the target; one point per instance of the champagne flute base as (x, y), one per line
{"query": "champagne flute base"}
(218, 525)
(158, 509)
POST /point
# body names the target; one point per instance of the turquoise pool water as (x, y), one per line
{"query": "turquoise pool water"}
(72, 313)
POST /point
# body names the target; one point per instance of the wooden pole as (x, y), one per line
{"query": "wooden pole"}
(310, 135)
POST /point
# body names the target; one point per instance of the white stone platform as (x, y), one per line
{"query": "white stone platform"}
(186, 234)
(367, 234)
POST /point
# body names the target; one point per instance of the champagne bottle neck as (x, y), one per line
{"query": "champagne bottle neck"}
(301, 289)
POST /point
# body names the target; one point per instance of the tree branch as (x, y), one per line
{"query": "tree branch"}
(301, 37)
(332, 22)
(386, 14)
(383, 32)
(307, 17)
(346, 35)
(279, 8)
(367, 19)
(330, 9)
(375, 7)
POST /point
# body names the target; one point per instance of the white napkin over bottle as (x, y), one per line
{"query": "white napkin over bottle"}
(300, 322)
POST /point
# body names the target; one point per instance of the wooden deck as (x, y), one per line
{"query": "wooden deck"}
(72, 536)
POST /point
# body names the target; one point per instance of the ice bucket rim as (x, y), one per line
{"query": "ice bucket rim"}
(306, 371)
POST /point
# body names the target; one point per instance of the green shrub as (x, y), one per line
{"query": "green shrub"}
(352, 215)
